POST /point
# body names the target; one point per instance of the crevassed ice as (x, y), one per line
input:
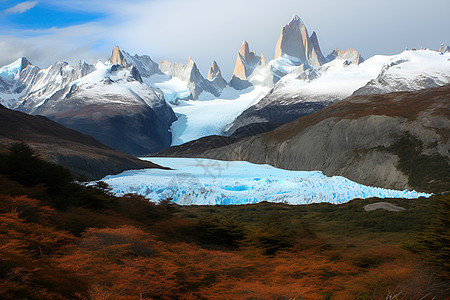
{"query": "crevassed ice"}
(212, 182)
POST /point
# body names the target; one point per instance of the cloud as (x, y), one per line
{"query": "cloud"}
(44, 47)
(21, 7)
(214, 29)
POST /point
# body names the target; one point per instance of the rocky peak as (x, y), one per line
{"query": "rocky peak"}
(215, 76)
(246, 62)
(263, 60)
(294, 42)
(351, 55)
(214, 71)
(24, 63)
(244, 51)
(117, 57)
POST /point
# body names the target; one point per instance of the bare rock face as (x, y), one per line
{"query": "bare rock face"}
(294, 42)
(263, 60)
(215, 76)
(246, 63)
(315, 42)
(117, 57)
(351, 55)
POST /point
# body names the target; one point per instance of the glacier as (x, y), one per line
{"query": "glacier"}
(212, 115)
(194, 181)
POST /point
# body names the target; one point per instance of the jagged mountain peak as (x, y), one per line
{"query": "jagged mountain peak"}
(295, 44)
(296, 19)
(214, 71)
(11, 71)
(215, 76)
(117, 57)
(245, 50)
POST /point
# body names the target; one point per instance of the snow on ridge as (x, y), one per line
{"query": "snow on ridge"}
(341, 79)
(10, 71)
(212, 182)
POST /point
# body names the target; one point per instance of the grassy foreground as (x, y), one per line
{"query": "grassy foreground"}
(61, 240)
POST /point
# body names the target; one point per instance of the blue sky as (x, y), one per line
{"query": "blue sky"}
(46, 31)
(31, 15)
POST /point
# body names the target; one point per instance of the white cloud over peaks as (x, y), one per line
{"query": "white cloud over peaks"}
(44, 47)
(21, 7)
(214, 29)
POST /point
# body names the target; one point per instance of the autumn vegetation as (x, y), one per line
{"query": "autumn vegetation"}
(63, 240)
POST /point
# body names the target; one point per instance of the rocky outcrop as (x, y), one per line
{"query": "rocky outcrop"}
(215, 76)
(295, 43)
(117, 57)
(354, 138)
(246, 63)
(351, 55)
(80, 153)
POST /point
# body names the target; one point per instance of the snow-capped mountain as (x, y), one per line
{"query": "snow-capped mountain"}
(298, 81)
(191, 76)
(303, 81)
(410, 71)
(107, 101)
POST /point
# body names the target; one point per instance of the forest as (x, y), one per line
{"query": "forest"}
(60, 239)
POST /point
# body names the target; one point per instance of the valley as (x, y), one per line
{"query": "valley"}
(300, 176)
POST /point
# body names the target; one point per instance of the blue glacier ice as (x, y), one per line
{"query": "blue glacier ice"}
(194, 181)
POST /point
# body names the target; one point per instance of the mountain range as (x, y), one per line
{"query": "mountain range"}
(138, 106)
(395, 140)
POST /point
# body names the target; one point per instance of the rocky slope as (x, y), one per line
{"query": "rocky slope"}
(80, 153)
(368, 139)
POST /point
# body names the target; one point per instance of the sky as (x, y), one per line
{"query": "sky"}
(46, 31)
